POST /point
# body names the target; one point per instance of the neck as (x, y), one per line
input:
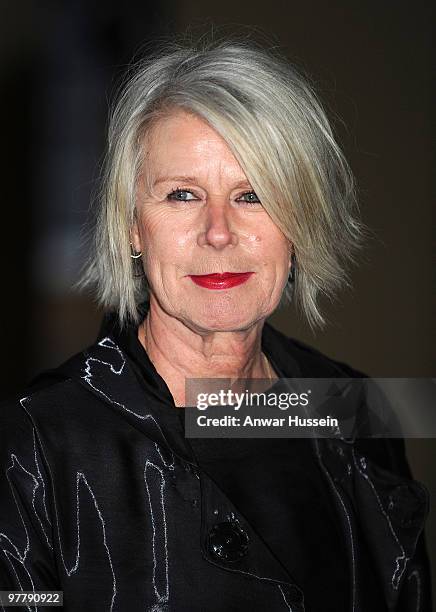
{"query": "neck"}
(179, 352)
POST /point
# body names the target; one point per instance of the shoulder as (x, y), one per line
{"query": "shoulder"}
(58, 412)
(48, 394)
(22, 415)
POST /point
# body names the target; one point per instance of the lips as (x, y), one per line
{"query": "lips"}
(226, 280)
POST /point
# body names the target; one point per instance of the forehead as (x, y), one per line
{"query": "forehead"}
(183, 141)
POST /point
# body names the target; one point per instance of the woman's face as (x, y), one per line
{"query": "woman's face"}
(203, 218)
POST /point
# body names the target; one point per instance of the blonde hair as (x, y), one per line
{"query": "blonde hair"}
(272, 120)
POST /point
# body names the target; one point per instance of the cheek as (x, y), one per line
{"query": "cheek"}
(272, 246)
(166, 242)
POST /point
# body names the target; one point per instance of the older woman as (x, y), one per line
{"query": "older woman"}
(224, 196)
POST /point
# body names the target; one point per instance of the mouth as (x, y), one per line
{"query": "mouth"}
(224, 280)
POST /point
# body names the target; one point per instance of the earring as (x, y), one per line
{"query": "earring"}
(134, 255)
(291, 278)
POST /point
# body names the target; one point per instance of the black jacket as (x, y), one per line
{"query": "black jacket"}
(100, 499)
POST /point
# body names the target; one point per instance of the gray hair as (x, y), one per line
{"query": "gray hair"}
(272, 120)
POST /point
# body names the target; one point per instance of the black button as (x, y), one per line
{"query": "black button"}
(228, 541)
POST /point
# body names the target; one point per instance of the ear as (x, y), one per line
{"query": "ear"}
(135, 237)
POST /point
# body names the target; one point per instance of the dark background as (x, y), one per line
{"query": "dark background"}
(372, 63)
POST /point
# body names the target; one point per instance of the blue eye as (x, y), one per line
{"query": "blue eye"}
(177, 195)
(253, 199)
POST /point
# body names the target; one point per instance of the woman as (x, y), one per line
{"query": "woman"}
(225, 195)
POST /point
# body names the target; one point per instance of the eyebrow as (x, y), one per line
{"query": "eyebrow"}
(193, 179)
(165, 179)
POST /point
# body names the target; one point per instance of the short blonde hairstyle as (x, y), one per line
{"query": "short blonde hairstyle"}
(273, 122)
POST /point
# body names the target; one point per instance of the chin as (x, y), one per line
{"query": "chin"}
(224, 315)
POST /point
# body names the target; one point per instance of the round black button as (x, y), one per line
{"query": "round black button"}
(228, 542)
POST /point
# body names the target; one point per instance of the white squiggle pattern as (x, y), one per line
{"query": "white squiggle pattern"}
(415, 574)
(88, 377)
(284, 597)
(8, 555)
(170, 466)
(80, 477)
(353, 556)
(35, 488)
(398, 572)
(38, 482)
(20, 557)
(40, 478)
(154, 511)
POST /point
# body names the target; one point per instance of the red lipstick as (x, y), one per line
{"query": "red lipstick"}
(220, 281)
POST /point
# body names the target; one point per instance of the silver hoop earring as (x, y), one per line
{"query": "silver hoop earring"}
(132, 254)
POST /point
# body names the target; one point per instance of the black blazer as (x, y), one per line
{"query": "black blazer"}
(99, 499)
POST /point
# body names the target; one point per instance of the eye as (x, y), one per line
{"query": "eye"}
(252, 198)
(179, 195)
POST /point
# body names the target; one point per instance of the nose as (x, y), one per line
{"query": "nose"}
(218, 230)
